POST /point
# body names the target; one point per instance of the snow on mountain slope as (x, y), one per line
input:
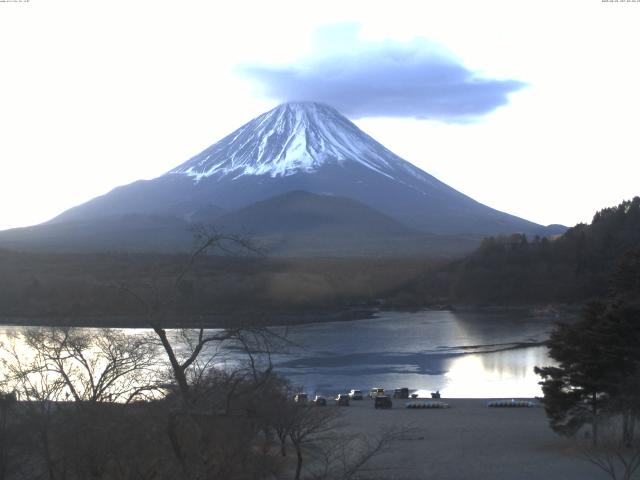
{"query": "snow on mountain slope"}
(292, 138)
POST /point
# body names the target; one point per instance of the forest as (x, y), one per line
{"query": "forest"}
(572, 268)
(94, 289)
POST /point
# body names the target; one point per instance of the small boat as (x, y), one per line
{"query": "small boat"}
(511, 404)
(415, 404)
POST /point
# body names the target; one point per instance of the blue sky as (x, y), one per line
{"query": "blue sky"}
(528, 107)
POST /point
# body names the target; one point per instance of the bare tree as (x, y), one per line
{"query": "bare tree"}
(101, 365)
(344, 456)
(193, 354)
(279, 413)
(49, 367)
(38, 388)
(620, 460)
(307, 425)
(183, 351)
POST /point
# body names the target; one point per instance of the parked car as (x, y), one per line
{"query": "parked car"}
(320, 401)
(355, 394)
(342, 400)
(401, 393)
(376, 391)
(301, 398)
(383, 401)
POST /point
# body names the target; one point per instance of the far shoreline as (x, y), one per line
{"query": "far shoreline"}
(562, 312)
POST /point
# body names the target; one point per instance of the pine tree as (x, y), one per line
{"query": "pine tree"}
(598, 370)
(575, 391)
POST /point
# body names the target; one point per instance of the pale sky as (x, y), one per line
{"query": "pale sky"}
(96, 94)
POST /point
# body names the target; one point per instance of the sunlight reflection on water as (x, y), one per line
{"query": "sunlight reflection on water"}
(466, 354)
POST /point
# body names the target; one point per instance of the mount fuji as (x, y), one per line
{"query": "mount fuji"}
(303, 178)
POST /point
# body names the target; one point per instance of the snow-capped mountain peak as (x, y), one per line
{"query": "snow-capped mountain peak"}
(311, 149)
(292, 138)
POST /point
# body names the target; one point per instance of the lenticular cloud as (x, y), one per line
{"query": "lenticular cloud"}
(385, 79)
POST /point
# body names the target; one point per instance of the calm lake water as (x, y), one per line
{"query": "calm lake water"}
(462, 354)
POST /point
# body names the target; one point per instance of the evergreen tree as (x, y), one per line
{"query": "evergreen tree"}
(598, 370)
(575, 391)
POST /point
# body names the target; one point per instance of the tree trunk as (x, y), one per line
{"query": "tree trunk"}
(172, 433)
(299, 464)
(4, 406)
(44, 435)
(283, 446)
(625, 428)
(282, 436)
(594, 422)
(628, 428)
(266, 444)
(178, 371)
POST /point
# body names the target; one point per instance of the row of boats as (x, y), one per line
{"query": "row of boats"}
(378, 394)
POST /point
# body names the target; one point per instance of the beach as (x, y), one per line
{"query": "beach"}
(468, 441)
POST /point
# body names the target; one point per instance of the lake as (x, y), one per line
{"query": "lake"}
(462, 354)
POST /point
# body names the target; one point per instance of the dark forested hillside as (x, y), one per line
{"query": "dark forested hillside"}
(574, 267)
(512, 270)
(91, 288)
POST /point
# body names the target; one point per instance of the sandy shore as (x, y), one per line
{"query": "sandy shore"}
(469, 441)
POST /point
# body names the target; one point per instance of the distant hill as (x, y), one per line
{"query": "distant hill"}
(306, 224)
(117, 233)
(296, 223)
